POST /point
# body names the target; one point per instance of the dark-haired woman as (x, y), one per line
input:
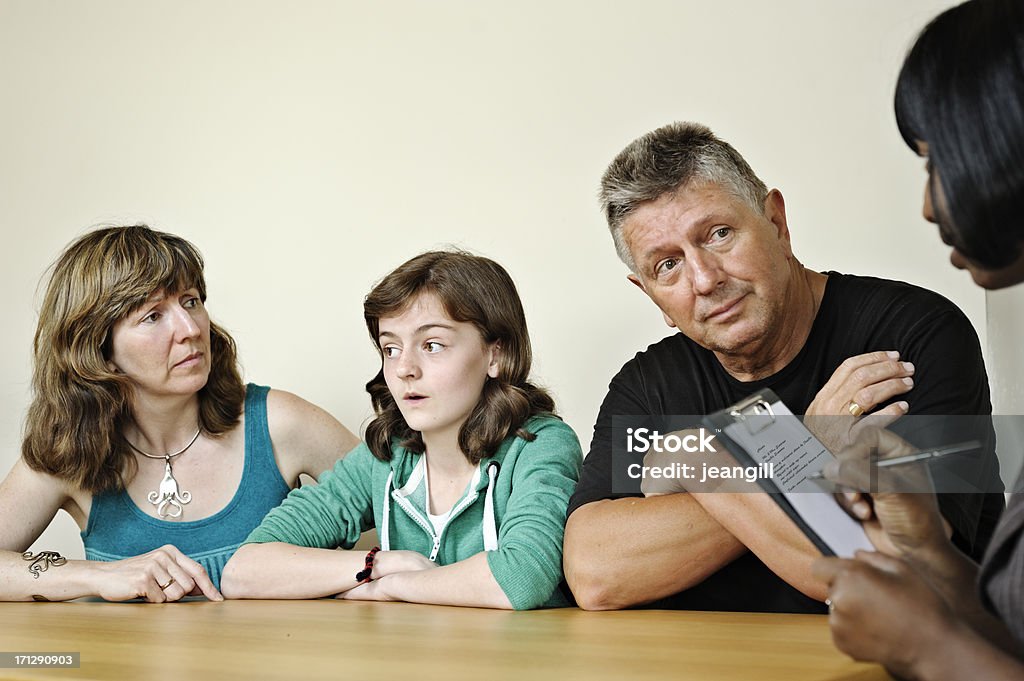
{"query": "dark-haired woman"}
(929, 612)
(142, 430)
(466, 473)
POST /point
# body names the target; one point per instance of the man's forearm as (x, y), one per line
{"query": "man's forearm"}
(760, 525)
(624, 552)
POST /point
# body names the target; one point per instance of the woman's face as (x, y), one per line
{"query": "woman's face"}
(163, 346)
(986, 278)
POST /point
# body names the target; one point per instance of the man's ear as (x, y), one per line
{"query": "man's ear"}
(775, 212)
(635, 280)
(640, 285)
(494, 364)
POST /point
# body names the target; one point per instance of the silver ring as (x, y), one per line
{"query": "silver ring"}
(831, 605)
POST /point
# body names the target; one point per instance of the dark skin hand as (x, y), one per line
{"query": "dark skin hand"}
(915, 610)
(902, 518)
(882, 611)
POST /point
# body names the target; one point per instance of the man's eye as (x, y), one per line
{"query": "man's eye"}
(151, 318)
(721, 233)
(666, 266)
(191, 303)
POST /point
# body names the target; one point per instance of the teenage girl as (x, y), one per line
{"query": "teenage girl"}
(465, 472)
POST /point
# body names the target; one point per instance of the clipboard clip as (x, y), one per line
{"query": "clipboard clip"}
(755, 413)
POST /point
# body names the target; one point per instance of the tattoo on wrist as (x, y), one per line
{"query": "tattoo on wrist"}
(41, 562)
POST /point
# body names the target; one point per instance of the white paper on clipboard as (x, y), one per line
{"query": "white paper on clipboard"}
(796, 453)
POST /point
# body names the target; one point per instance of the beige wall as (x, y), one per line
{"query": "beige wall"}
(307, 148)
(1006, 367)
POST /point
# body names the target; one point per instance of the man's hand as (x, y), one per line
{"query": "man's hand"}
(860, 384)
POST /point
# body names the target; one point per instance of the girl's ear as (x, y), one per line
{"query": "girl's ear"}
(494, 363)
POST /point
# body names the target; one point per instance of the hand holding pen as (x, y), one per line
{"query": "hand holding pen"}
(900, 514)
(878, 461)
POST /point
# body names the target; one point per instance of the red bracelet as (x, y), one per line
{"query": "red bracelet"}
(363, 576)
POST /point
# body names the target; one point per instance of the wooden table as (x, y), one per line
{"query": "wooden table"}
(308, 640)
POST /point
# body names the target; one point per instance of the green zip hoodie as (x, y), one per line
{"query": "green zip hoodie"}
(515, 509)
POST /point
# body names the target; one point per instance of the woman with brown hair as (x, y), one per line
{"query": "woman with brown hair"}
(141, 429)
(466, 472)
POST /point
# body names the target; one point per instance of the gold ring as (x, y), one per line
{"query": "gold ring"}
(164, 586)
(855, 409)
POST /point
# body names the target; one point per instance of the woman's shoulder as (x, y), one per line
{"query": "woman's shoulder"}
(287, 408)
(292, 415)
(302, 431)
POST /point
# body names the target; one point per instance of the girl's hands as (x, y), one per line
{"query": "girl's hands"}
(387, 567)
(371, 591)
(392, 562)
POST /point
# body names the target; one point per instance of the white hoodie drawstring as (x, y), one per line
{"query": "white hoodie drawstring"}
(385, 530)
(490, 527)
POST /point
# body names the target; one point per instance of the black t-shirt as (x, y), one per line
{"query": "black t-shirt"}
(856, 315)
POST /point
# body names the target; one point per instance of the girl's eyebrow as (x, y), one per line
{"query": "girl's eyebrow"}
(421, 329)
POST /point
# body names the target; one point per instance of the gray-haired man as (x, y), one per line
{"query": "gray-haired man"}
(710, 245)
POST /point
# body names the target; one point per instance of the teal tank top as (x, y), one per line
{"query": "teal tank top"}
(118, 529)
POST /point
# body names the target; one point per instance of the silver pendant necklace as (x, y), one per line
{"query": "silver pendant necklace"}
(168, 500)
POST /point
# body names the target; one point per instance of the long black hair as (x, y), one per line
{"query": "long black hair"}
(961, 90)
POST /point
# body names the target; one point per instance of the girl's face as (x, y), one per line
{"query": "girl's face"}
(986, 278)
(435, 367)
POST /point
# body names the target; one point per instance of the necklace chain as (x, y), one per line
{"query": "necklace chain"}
(167, 457)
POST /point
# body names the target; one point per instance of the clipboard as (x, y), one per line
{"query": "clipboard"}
(761, 429)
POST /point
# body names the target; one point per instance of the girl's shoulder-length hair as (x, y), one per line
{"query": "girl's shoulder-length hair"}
(80, 406)
(471, 289)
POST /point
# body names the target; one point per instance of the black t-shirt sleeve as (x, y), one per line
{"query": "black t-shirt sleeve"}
(950, 385)
(625, 397)
(949, 371)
